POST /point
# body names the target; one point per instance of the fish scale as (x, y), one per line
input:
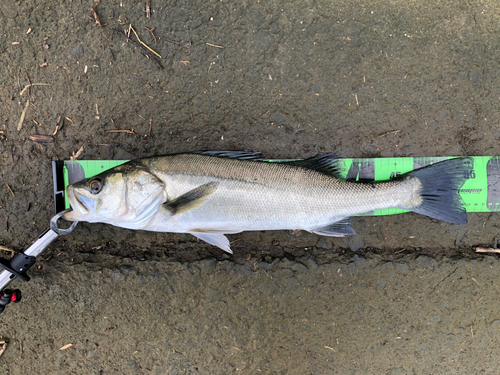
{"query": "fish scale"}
(271, 189)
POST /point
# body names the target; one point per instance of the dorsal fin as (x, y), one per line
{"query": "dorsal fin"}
(327, 164)
(241, 155)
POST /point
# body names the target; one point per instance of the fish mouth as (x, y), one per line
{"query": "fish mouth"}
(81, 205)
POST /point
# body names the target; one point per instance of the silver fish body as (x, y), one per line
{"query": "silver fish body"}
(209, 196)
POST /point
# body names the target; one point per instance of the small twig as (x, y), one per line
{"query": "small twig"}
(32, 84)
(213, 45)
(451, 273)
(151, 31)
(145, 51)
(66, 347)
(77, 155)
(387, 133)
(41, 138)
(29, 81)
(487, 250)
(148, 9)
(8, 187)
(57, 125)
(97, 21)
(173, 41)
(7, 249)
(4, 346)
(23, 115)
(144, 44)
(121, 131)
(150, 124)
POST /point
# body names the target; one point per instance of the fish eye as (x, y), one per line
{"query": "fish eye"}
(95, 185)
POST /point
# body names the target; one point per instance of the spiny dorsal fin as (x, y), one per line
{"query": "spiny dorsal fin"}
(191, 199)
(241, 155)
(327, 164)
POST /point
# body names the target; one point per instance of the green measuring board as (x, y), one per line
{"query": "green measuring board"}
(480, 192)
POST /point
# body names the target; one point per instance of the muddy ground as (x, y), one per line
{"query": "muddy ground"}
(291, 79)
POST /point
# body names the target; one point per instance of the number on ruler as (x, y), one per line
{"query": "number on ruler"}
(469, 174)
(394, 175)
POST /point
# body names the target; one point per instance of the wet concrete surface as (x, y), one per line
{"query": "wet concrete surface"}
(293, 80)
(359, 316)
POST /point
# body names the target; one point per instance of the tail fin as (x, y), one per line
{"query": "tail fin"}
(440, 190)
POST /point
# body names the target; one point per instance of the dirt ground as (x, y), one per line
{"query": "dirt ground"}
(291, 79)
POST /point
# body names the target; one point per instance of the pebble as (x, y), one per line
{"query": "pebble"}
(356, 242)
(403, 268)
(311, 264)
(265, 266)
(286, 263)
(208, 263)
(9, 9)
(76, 51)
(424, 261)
(298, 267)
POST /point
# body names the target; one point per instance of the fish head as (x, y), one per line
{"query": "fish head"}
(124, 197)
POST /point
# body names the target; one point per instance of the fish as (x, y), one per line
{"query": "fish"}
(214, 193)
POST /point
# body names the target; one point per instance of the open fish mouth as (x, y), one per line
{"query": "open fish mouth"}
(81, 205)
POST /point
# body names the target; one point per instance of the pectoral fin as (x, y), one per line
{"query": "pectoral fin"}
(216, 239)
(191, 199)
(338, 229)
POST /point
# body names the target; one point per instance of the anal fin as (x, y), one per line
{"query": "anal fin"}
(338, 229)
(216, 239)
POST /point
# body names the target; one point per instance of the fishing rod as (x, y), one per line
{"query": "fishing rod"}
(21, 262)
